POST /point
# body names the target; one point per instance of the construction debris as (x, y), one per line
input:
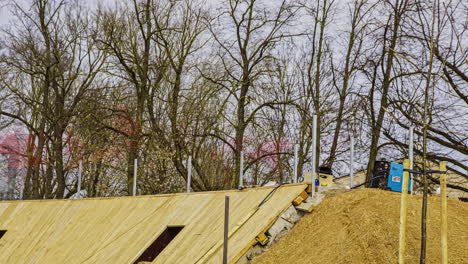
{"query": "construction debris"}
(361, 226)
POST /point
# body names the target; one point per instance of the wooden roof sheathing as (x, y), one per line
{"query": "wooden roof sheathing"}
(118, 230)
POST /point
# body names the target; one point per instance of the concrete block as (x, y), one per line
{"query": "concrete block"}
(279, 226)
(254, 251)
(318, 197)
(310, 203)
(291, 215)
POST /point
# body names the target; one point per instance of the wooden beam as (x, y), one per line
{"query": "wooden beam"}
(300, 198)
(262, 239)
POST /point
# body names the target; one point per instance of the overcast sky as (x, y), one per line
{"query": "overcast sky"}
(5, 14)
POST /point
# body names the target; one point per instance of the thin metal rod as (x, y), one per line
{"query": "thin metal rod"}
(410, 155)
(80, 171)
(296, 151)
(241, 170)
(351, 164)
(189, 173)
(226, 229)
(443, 213)
(403, 213)
(135, 171)
(314, 151)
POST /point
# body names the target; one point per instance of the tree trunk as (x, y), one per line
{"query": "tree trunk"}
(59, 170)
(336, 135)
(376, 129)
(343, 93)
(240, 129)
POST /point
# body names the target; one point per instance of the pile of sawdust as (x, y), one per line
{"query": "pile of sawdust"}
(362, 226)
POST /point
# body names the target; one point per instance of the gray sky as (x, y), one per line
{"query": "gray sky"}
(5, 14)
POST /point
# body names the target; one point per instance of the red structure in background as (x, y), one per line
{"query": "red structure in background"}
(271, 151)
(14, 145)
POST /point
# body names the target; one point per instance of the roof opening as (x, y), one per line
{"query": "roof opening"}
(159, 244)
(2, 232)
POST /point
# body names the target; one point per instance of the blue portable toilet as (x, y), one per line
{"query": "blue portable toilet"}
(395, 177)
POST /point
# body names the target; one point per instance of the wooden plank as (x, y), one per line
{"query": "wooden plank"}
(308, 208)
(274, 209)
(119, 229)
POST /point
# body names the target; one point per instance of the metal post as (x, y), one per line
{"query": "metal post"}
(241, 170)
(80, 171)
(314, 151)
(351, 164)
(189, 173)
(410, 154)
(226, 229)
(443, 211)
(135, 170)
(296, 151)
(403, 212)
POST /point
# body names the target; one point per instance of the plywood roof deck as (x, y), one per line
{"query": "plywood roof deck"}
(119, 229)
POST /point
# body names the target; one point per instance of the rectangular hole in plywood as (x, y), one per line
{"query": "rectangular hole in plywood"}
(2, 233)
(159, 244)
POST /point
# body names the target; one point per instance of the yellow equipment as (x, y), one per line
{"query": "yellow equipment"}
(326, 180)
(325, 177)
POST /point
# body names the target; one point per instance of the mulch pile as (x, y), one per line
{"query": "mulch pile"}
(362, 226)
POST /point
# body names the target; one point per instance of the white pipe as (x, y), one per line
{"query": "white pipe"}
(296, 151)
(351, 164)
(241, 170)
(135, 171)
(80, 170)
(189, 173)
(314, 151)
(410, 154)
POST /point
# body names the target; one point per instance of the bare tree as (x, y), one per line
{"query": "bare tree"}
(52, 51)
(257, 30)
(359, 11)
(127, 34)
(391, 35)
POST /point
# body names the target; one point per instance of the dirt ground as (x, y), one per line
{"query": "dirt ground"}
(362, 226)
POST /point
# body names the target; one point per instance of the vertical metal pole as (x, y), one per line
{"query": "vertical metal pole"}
(241, 170)
(296, 151)
(189, 173)
(443, 211)
(410, 155)
(314, 151)
(351, 164)
(404, 195)
(135, 171)
(80, 171)
(226, 229)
